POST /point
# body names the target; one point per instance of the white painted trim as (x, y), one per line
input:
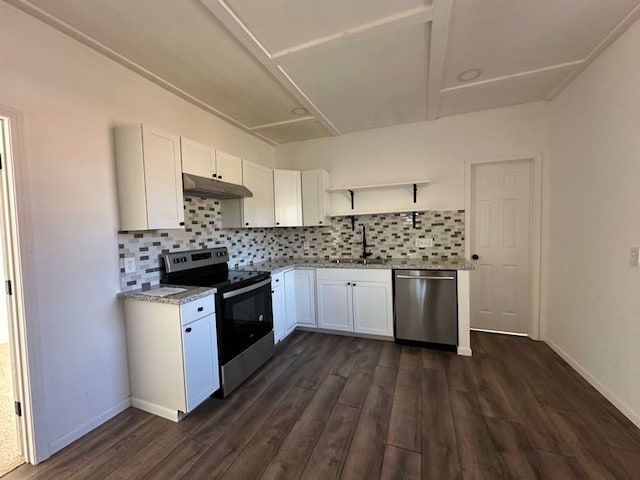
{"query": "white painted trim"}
(22, 303)
(243, 34)
(415, 16)
(536, 224)
(437, 54)
(464, 351)
(284, 122)
(464, 313)
(67, 29)
(513, 76)
(61, 442)
(513, 334)
(608, 394)
(155, 409)
(618, 30)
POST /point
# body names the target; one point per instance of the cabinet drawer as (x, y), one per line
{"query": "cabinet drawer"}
(197, 309)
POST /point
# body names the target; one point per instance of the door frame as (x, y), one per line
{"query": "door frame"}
(17, 244)
(536, 161)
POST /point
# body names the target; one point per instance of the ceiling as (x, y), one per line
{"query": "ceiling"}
(348, 64)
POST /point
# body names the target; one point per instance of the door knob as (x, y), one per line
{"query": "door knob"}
(475, 256)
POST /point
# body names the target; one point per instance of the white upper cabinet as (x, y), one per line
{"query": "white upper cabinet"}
(205, 161)
(256, 211)
(287, 188)
(316, 201)
(228, 168)
(197, 158)
(149, 173)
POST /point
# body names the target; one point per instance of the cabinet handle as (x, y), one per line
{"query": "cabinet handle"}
(277, 223)
(188, 329)
(320, 221)
(214, 175)
(182, 224)
(277, 279)
(353, 284)
(247, 224)
(200, 309)
(348, 283)
(273, 291)
(220, 177)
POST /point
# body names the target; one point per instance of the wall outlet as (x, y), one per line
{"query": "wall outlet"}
(129, 264)
(305, 245)
(424, 242)
(634, 260)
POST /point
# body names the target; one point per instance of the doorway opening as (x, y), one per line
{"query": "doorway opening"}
(12, 430)
(503, 201)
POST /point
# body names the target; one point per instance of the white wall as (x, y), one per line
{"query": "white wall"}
(594, 295)
(435, 151)
(70, 97)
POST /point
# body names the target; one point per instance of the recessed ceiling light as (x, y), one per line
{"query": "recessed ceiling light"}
(470, 74)
(299, 111)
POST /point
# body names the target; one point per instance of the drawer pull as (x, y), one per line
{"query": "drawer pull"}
(188, 329)
(200, 309)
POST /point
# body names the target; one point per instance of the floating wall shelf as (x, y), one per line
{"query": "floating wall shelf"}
(400, 207)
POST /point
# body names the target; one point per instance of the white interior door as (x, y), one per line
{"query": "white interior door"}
(500, 238)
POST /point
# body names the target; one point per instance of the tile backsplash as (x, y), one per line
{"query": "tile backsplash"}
(388, 236)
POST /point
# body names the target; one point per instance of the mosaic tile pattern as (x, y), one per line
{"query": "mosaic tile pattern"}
(388, 236)
(202, 219)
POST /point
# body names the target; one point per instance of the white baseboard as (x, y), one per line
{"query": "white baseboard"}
(608, 394)
(464, 351)
(61, 442)
(156, 409)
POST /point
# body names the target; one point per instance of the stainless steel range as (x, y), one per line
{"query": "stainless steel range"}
(244, 316)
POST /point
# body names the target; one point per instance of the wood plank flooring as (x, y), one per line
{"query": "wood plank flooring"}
(339, 407)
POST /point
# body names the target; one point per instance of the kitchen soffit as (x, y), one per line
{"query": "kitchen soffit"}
(353, 65)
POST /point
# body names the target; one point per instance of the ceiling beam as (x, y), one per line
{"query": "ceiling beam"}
(284, 122)
(619, 29)
(439, 35)
(415, 16)
(225, 14)
(514, 76)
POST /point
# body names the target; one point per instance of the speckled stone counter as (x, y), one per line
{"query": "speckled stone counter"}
(191, 294)
(282, 264)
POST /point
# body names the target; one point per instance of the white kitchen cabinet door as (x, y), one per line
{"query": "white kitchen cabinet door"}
(256, 211)
(149, 173)
(197, 158)
(316, 201)
(305, 282)
(372, 308)
(200, 354)
(290, 300)
(334, 305)
(228, 168)
(287, 188)
(279, 312)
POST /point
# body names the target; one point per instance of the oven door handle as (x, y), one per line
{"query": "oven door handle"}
(242, 290)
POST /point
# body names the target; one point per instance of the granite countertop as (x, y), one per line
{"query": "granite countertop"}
(190, 294)
(282, 264)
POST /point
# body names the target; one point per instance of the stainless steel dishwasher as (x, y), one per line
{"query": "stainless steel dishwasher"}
(426, 306)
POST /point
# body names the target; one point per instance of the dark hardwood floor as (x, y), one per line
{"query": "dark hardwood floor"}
(339, 407)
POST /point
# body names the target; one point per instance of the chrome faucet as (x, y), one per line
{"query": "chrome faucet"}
(365, 254)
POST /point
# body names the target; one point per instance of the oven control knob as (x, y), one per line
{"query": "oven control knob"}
(260, 317)
(184, 259)
(175, 260)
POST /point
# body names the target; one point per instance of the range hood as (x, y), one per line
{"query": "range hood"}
(210, 188)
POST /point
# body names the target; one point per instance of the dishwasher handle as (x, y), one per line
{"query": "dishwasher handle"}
(420, 277)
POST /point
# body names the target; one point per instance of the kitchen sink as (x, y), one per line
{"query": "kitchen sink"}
(359, 261)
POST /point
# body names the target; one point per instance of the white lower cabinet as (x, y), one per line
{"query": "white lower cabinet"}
(290, 301)
(279, 310)
(305, 295)
(355, 300)
(173, 355)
